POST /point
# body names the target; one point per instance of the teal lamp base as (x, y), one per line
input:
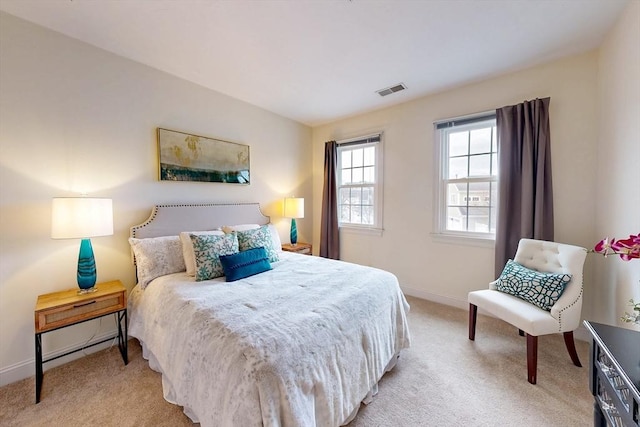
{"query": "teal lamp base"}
(86, 268)
(293, 236)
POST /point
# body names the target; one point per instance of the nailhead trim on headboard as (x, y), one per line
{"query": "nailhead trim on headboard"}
(253, 211)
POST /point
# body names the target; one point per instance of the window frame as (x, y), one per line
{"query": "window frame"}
(378, 205)
(442, 129)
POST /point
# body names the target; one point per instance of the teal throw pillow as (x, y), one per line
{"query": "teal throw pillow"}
(256, 238)
(245, 264)
(540, 289)
(208, 249)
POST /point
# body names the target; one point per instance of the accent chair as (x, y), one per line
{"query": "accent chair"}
(547, 279)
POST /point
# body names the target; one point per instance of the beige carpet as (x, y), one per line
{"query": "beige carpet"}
(443, 379)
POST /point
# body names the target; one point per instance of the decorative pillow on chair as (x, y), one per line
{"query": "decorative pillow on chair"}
(258, 237)
(156, 256)
(540, 289)
(245, 264)
(207, 250)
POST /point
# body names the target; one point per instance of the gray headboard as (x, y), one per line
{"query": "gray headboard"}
(170, 220)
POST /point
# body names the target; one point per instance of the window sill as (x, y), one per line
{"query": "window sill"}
(455, 239)
(361, 230)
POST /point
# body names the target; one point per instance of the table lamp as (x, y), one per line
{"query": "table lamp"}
(82, 218)
(294, 208)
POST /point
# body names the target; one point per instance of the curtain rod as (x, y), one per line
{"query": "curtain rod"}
(463, 120)
(372, 138)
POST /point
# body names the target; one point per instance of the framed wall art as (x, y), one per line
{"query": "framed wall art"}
(187, 157)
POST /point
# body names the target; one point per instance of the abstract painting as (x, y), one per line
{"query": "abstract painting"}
(186, 157)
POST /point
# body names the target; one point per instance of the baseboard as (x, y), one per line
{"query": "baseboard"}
(21, 370)
(419, 293)
(581, 333)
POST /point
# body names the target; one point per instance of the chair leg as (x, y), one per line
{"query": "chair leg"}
(571, 348)
(473, 314)
(532, 358)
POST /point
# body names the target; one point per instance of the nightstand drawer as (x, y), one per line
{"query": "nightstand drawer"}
(72, 313)
(70, 308)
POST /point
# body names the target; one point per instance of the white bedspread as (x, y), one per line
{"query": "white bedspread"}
(300, 345)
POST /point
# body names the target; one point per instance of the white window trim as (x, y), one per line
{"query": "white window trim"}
(377, 228)
(441, 234)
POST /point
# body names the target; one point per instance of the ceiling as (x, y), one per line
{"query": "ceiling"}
(317, 61)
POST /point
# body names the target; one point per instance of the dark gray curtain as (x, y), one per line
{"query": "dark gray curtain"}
(524, 190)
(329, 235)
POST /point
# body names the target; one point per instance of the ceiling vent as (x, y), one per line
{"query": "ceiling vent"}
(392, 89)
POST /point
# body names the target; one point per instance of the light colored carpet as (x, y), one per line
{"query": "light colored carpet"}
(443, 379)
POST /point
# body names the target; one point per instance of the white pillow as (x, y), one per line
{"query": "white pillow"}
(242, 227)
(187, 248)
(157, 256)
(275, 238)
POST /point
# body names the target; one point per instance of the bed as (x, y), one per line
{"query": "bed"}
(300, 344)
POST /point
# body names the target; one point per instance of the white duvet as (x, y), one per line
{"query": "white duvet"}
(300, 345)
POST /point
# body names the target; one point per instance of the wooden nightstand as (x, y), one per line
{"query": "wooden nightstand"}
(300, 248)
(61, 309)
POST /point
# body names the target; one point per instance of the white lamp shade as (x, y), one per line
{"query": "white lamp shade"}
(81, 217)
(294, 207)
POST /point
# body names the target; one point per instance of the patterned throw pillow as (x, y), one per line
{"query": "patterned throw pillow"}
(187, 248)
(259, 237)
(207, 250)
(156, 256)
(540, 289)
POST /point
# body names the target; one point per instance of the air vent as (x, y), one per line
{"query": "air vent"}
(392, 89)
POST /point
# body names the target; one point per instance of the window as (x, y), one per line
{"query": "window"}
(468, 177)
(360, 183)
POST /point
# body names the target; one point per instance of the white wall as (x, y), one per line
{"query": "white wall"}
(447, 272)
(595, 131)
(618, 168)
(74, 118)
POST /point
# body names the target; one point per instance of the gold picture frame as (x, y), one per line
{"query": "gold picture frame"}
(187, 157)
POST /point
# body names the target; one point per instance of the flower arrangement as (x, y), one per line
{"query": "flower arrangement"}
(627, 249)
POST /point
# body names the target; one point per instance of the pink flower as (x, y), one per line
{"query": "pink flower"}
(628, 249)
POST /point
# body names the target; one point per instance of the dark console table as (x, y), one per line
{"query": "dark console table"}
(614, 375)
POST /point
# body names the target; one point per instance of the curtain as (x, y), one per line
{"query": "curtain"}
(525, 192)
(329, 236)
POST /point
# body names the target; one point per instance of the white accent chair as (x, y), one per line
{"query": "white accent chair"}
(565, 314)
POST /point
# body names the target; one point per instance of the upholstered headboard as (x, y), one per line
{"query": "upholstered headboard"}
(170, 220)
